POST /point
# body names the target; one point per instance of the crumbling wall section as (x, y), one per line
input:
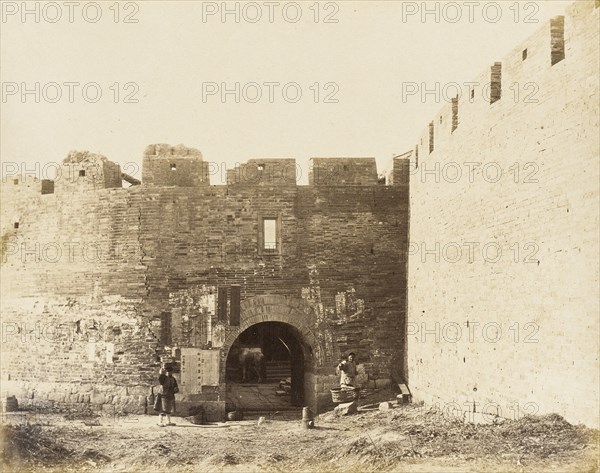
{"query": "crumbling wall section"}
(78, 354)
(165, 165)
(73, 284)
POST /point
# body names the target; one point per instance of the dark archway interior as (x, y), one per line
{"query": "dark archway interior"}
(283, 353)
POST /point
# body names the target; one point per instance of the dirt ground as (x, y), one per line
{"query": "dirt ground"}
(407, 438)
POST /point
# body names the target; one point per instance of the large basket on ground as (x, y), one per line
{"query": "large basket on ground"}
(346, 394)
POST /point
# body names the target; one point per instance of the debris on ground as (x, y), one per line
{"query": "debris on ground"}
(402, 437)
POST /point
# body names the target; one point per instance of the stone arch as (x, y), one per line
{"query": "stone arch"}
(288, 310)
(315, 339)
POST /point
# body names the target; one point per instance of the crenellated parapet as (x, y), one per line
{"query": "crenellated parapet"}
(265, 172)
(342, 172)
(166, 165)
(83, 170)
(518, 82)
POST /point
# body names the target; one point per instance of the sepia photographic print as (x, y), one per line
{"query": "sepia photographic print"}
(300, 236)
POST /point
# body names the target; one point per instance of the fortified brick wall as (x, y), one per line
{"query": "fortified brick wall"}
(503, 256)
(101, 284)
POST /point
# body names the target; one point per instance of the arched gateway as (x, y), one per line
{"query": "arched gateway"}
(292, 345)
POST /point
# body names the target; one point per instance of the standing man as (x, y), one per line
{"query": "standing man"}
(347, 370)
(169, 389)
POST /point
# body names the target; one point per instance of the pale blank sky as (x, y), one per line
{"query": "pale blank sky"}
(171, 52)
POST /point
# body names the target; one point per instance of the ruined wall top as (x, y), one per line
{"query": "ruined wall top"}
(84, 157)
(162, 150)
(166, 165)
(342, 171)
(267, 171)
(511, 86)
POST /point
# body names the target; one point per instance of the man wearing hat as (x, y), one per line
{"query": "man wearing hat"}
(347, 370)
(169, 389)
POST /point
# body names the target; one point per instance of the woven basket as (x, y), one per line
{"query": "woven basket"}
(344, 394)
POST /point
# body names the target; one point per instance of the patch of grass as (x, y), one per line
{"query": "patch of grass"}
(28, 446)
(30, 443)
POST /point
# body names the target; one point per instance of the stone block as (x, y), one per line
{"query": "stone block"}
(108, 410)
(214, 410)
(56, 396)
(138, 390)
(97, 398)
(346, 408)
(382, 383)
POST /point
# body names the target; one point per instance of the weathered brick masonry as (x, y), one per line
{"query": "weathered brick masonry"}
(100, 283)
(514, 331)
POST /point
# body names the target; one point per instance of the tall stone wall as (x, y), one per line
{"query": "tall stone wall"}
(503, 266)
(73, 278)
(101, 284)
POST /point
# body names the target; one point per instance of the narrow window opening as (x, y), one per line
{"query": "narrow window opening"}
(222, 304)
(270, 234)
(441, 120)
(417, 157)
(557, 38)
(454, 113)
(173, 167)
(524, 54)
(496, 83)
(234, 316)
(165, 328)
(473, 93)
(16, 225)
(82, 173)
(15, 181)
(431, 138)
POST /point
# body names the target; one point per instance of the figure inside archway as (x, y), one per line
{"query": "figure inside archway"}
(252, 361)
